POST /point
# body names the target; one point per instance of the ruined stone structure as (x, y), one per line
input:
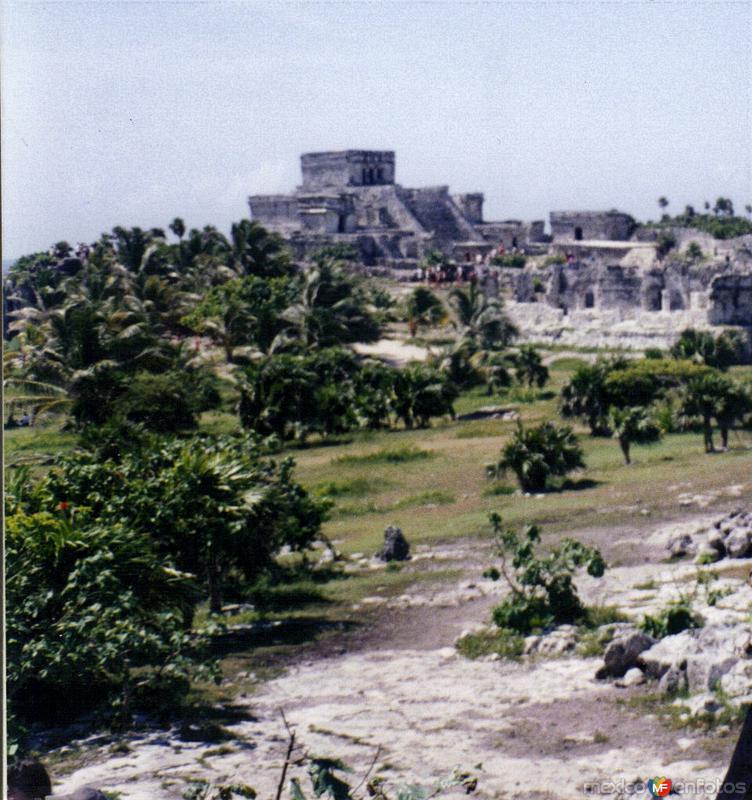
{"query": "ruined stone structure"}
(578, 226)
(596, 279)
(351, 197)
(622, 294)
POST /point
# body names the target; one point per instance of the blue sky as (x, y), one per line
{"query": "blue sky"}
(132, 113)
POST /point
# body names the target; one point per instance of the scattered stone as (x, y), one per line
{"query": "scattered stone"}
(716, 539)
(559, 641)
(674, 680)
(681, 546)
(622, 654)
(701, 704)
(730, 536)
(739, 543)
(632, 677)
(737, 682)
(704, 654)
(84, 793)
(396, 547)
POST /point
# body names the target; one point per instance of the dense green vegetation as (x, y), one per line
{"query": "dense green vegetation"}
(721, 224)
(205, 429)
(639, 400)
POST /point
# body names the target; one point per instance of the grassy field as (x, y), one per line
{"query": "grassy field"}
(432, 482)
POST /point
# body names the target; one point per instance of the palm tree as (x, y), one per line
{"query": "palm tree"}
(732, 407)
(177, 226)
(723, 207)
(131, 246)
(422, 392)
(331, 308)
(423, 308)
(585, 396)
(703, 397)
(256, 251)
(537, 454)
(633, 425)
(482, 318)
(23, 393)
(529, 367)
(496, 370)
(663, 203)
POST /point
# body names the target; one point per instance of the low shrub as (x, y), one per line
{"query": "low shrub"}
(542, 590)
(673, 619)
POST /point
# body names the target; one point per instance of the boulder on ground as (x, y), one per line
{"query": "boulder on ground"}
(84, 793)
(736, 684)
(633, 677)
(674, 680)
(704, 654)
(622, 654)
(559, 641)
(707, 554)
(396, 547)
(717, 540)
(681, 546)
(739, 543)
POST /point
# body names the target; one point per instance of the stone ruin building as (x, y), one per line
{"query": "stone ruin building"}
(351, 198)
(598, 278)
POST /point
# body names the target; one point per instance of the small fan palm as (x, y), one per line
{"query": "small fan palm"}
(633, 425)
(537, 454)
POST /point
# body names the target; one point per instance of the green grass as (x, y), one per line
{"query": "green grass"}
(396, 455)
(483, 428)
(431, 482)
(429, 498)
(37, 446)
(498, 490)
(354, 487)
(610, 492)
(500, 642)
(676, 715)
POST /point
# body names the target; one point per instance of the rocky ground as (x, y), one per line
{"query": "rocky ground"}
(401, 697)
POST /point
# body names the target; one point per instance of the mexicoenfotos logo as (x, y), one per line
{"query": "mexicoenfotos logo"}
(659, 787)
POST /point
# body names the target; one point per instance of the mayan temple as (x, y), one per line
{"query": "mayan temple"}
(596, 277)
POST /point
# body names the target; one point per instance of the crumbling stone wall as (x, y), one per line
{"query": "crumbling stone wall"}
(731, 300)
(275, 211)
(512, 232)
(584, 225)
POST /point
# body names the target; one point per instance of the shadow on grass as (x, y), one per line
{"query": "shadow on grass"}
(578, 485)
(275, 633)
(490, 412)
(314, 444)
(286, 597)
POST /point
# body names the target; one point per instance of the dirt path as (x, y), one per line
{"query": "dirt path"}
(393, 351)
(538, 728)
